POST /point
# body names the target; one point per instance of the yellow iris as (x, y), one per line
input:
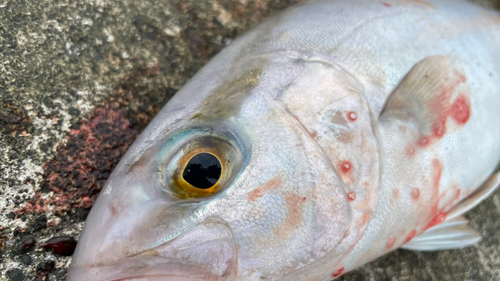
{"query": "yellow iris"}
(187, 190)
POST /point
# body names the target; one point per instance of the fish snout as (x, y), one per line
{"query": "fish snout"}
(207, 251)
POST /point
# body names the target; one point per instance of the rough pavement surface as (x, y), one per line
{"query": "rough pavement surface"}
(80, 79)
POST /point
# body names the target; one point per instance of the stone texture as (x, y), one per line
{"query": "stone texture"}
(80, 79)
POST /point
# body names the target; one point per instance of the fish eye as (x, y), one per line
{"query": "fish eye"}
(202, 165)
(202, 171)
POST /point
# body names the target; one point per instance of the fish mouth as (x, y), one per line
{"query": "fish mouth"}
(205, 252)
(146, 269)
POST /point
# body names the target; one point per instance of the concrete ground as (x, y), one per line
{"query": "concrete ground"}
(80, 79)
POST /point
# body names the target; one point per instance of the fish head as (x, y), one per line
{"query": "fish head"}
(224, 184)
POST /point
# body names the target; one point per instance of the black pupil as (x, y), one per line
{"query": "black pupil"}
(202, 171)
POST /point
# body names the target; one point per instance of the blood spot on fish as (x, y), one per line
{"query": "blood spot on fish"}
(424, 141)
(338, 272)
(314, 134)
(439, 127)
(395, 193)
(351, 196)
(345, 166)
(437, 170)
(390, 243)
(352, 116)
(455, 198)
(345, 170)
(410, 236)
(294, 216)
(366, 218)
(459, 77)
(415, 193)
(410, 151)
(346, 234)
(272, 184)
(387, 5)
(439, 218)
(460, 110)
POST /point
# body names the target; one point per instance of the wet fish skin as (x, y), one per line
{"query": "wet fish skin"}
(351, 132)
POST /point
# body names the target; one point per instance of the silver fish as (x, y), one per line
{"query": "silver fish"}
(324, 138)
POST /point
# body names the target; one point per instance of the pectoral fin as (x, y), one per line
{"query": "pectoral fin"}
(451, 234)
(423, 96)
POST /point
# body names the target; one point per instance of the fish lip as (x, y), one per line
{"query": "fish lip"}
(207, 251)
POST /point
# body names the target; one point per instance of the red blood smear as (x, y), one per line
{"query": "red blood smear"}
(338, 272)
(366, 218)
(390, 243)
(387, 5)
(351, 196)
(410, 150)
(438, 170)
(410, 236)
(439, 218)
(460, 110)
(63, 246)
(457, 196)
(415, 193)
(345, 166)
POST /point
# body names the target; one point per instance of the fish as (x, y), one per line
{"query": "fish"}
(329, 135)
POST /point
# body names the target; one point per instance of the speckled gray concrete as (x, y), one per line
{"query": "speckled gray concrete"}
(61, 59)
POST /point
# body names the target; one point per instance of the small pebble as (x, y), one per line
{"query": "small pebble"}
(63, 246)
(26, 259)
(82, 213)
(45, 267)
(15, 275)
(25, 244)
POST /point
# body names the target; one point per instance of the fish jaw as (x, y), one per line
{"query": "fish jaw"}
(205, 252)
